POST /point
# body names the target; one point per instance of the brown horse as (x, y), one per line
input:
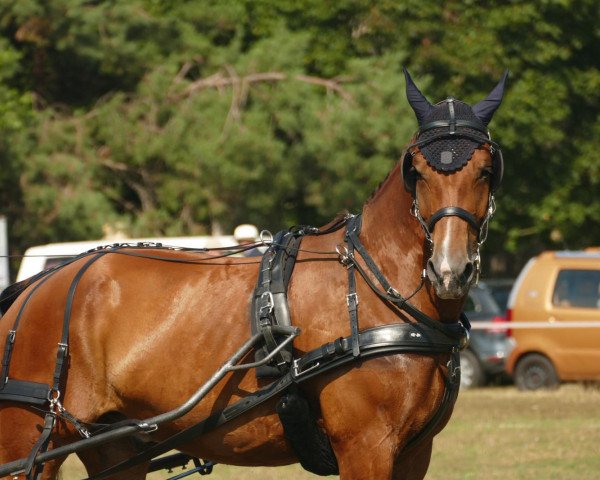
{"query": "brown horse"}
(145, 333)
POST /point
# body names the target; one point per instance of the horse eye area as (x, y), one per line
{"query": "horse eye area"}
(415, 174)
(486, 173)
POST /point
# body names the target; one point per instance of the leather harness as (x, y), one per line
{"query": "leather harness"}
(271, 318)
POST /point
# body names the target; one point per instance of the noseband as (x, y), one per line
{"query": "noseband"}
(480, 227)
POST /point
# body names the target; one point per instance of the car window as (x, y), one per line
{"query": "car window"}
(577, 288)
(501, 294)
(481, 301)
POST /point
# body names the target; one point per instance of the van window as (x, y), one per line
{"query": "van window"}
(577, 288)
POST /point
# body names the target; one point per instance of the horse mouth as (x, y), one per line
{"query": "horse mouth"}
(450, 286)
(451, 291)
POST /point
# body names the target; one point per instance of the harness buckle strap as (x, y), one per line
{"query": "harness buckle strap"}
(352, 300)
(297, 370)
(415, 212)
(346, 257)
(392, 292)
(267, 304)
(483, 231)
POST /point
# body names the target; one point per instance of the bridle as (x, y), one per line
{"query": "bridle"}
(482, 137)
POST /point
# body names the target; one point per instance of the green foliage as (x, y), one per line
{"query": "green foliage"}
(185, 117)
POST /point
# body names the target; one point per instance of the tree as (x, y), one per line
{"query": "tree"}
(177, 117)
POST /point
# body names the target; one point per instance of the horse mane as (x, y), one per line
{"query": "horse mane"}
(392, 170)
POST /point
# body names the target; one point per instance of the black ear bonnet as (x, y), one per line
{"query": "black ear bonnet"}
(450, 132)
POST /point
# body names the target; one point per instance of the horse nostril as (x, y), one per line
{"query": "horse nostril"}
(468, 272)
(431, 267)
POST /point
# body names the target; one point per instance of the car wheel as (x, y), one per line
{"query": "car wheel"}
(535, 371)
(471, 373)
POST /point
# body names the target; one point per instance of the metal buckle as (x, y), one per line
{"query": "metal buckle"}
(464, 342)
(11, 336)
(296, 369)
(266, 237)
(269, 302)
(352, 295)
(148, 428)
(415, 212)
(392, 292)
(52, 397)
(453, 371)
(346, 258)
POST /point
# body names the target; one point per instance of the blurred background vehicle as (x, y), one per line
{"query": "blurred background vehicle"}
(42, 257)
(558, 295)
(482, 362)
(500, 289)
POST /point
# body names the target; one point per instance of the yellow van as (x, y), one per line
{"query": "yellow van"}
(554, 309)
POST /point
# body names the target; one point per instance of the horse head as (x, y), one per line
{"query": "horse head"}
(452, 170)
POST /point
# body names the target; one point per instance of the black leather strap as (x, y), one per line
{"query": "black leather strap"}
(32, 393)
(476, 138)
(40, 446)
(63, 346)
(453, 212)
(454, 330)
(352, 297)
(457, 123)
(12, 334)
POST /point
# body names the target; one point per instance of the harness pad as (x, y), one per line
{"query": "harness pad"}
(269, 301)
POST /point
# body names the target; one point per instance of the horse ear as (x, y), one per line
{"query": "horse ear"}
(417, 100)
(485, 109)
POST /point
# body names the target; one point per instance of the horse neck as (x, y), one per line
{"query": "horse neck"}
(395, 240)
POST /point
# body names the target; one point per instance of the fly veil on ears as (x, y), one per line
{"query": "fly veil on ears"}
(450, 131)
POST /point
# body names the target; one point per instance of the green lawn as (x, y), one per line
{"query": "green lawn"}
(495, 433)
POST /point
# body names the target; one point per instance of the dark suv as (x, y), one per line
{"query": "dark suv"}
(483, 360)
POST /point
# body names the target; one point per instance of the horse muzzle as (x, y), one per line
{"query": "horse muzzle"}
(450, 283)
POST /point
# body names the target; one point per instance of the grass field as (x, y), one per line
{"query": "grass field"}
(495, 433)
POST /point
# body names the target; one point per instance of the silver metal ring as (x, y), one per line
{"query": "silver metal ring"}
(266, 237)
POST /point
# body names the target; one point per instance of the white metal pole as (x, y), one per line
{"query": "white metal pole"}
(4, 272)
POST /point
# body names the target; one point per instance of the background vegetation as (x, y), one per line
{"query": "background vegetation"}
(175, 117)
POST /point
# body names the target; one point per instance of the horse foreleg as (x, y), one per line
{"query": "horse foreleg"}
(365, 456)
(97, 459)
(377, 460)
(413, 464)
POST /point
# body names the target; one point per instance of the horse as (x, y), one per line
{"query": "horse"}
(147, 327)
